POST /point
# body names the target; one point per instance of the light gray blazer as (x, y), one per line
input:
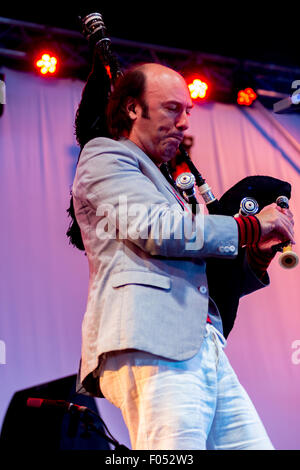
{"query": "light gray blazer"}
(146, 253)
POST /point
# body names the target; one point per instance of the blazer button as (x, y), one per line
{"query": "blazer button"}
(202, 289)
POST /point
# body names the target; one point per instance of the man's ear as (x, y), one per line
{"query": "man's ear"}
(131, 108)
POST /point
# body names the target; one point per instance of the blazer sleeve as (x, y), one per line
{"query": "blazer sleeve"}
(109, 179)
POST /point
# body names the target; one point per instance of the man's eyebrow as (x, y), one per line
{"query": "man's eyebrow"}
(171, 102)
(177, 103)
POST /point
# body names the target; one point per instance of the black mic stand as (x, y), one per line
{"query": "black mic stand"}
(86, 418)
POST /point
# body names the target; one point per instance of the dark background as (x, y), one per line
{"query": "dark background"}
(252, 30)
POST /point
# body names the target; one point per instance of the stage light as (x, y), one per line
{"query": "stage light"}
(47, 64)
(246, 97)
(198, 89)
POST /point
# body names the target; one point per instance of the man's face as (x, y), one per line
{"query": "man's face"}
(169, 104)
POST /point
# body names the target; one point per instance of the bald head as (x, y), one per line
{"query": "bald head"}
(155, 71)
(159, 76)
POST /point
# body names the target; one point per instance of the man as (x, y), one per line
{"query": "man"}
(152, 339)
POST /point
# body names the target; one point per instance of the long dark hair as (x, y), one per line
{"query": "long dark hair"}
(90, 122)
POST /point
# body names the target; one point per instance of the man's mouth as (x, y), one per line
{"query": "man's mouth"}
(177, 137)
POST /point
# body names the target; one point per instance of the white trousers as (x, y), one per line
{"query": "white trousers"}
(183, 405)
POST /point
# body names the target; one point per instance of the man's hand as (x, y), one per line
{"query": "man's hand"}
(276, 227)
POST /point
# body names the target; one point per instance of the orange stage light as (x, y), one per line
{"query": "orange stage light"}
(246, 97)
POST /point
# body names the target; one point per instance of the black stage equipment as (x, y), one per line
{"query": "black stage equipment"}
(51, 428)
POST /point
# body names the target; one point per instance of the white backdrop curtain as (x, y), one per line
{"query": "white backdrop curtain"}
(44, 281)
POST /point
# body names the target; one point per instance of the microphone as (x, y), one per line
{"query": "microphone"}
(75, 410)
(55, 404)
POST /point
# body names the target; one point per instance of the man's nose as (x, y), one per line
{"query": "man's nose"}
(183, 121)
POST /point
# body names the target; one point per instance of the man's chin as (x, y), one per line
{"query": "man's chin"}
(170, 151)
(165, 154)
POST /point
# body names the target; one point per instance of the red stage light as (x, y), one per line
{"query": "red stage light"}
(246, 97)
(198, 89)
(47, 64)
